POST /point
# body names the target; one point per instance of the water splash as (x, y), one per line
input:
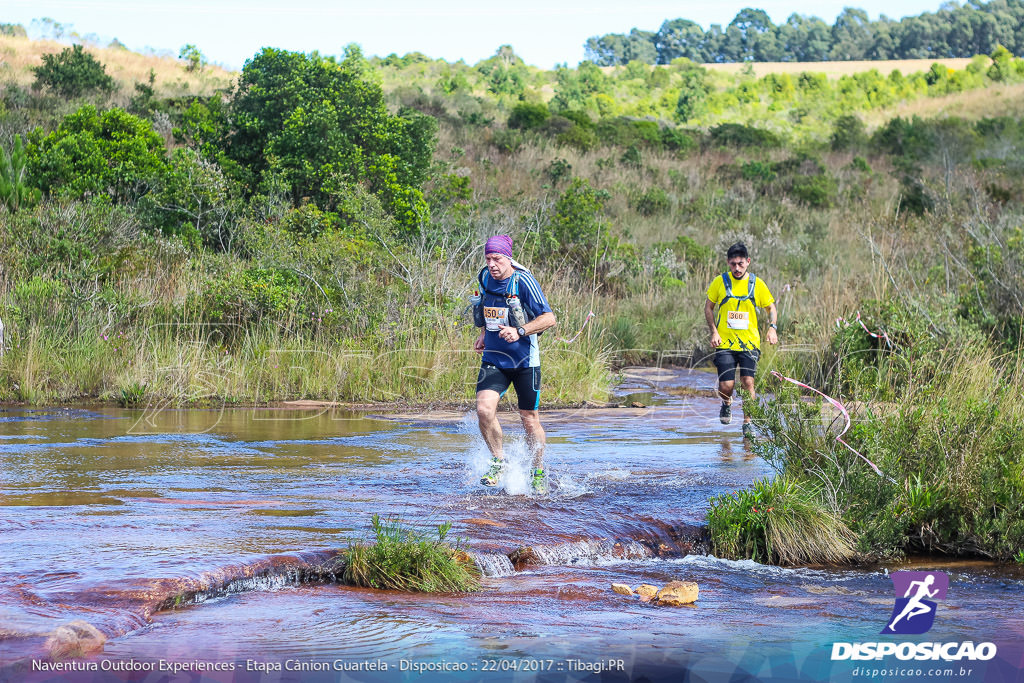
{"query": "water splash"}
(494, 564)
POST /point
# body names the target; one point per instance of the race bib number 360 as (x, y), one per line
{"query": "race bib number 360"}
(495, 317)
(738, 320)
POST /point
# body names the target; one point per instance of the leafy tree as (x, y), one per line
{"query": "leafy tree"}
(113, 154)
(576, 227)
(758, 41)
(851, 35)
(15, 192)
(505, 72)
(693, 94)
(320, 125)
(194, 59)
(804, 39)
(679, 38)
(73, 73)
(195, 199)
(576, 87)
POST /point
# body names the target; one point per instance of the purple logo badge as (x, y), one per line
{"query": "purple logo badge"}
(914, 612)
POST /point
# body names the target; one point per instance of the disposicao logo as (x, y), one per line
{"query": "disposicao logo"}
(914, 614)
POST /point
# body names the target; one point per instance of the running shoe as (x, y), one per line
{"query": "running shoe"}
(493, 474)
(539, 482)
(725, 414)
(748, 430)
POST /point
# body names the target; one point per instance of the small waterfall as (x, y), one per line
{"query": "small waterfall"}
(587, 551)
(494, 564)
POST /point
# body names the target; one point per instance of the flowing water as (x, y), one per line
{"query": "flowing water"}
(187, 536)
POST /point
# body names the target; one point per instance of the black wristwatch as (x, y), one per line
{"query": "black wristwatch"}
(521, 331)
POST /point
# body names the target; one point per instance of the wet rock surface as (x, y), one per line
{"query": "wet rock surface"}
(678, 593)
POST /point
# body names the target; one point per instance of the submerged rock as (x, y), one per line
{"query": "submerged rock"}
(622, 589)
(676, 593)
(75, 639)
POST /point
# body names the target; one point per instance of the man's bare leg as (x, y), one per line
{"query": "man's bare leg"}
(748, 386)
(725, 390)
(487, 415)
(535, 437)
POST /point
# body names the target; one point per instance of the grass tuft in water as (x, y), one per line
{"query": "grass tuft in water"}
(409, 560)
(778, 521)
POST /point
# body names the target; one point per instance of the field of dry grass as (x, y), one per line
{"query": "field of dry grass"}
(19, 55)
(837, 69)
(995, 100)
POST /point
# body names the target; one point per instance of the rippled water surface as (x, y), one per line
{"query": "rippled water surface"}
(106, 513)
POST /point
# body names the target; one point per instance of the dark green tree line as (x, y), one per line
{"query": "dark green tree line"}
(952, 31)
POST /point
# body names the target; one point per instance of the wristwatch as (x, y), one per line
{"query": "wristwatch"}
(521, 331)
(773, 326)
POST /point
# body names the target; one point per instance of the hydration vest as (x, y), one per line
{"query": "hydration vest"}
(749, 296)
(511, 290)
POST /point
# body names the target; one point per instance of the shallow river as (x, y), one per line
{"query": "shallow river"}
(107, 514)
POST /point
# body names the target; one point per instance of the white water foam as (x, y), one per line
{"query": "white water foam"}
(494, 564)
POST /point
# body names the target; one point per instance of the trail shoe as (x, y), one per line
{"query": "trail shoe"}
(494, 473)
(725, 414)
(748, 430)
(539, 481)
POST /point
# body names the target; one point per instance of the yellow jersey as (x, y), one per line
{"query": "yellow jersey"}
(736, 318)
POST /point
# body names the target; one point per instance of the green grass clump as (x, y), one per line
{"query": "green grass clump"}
(949, 447)
(778, 521)
(405, 559)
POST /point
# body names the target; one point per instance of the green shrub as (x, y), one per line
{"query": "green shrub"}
(579, 137)
(817, 190)
(320, 125)
(195, 197)
(778, 521)
(15, 192)
(848, 132)
(653, 202)
(91, 154)
(739, 135)
(558, 170)
(576, 226)
(677, 140)
(949, 449)
(72, 73)
(407, 560)
(527, 116)
(626, 132)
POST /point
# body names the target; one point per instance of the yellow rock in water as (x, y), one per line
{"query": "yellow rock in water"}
(622, 588)
(676, 593)
(646, 591)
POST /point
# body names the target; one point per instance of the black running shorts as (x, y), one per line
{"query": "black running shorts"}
(525, 380)
(726, 362)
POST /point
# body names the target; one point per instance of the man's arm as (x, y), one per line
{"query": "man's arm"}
(773, 321)
(709, 316)
(544, 321)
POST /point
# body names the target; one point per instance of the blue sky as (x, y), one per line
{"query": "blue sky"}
(543, 32)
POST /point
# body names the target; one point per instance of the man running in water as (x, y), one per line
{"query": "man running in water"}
(511, 354)
(734, 333)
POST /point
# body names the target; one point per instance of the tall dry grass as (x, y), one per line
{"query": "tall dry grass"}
(19, 55)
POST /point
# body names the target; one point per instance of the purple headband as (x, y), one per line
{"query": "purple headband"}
(499, 244)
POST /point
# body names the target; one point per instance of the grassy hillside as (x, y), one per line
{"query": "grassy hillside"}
(19, 55)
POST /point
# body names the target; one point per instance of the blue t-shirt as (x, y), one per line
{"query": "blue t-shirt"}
(524, 353)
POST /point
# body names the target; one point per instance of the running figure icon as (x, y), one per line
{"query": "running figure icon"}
(914, 606)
